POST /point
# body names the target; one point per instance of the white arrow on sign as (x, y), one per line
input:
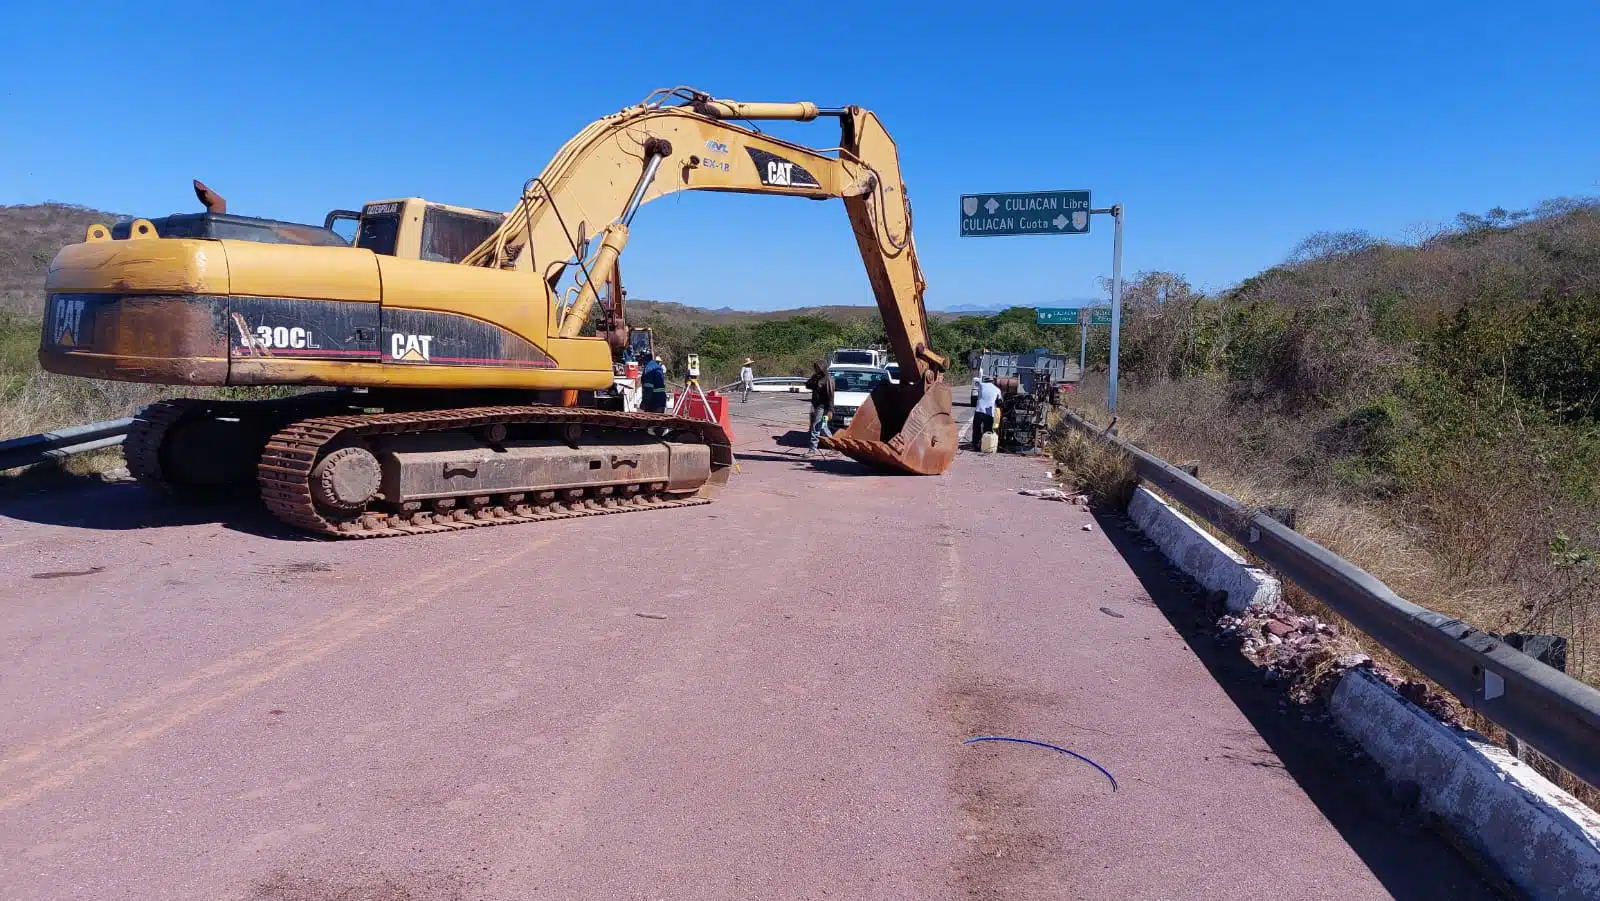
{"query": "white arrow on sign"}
(991, 206)
(1060, 221)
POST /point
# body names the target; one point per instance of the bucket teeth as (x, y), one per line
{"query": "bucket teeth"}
(924, 443)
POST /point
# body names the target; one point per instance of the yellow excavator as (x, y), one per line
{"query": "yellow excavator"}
(469, 352)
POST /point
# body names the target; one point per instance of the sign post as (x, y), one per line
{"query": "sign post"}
(1116, 307)
(1054, 213)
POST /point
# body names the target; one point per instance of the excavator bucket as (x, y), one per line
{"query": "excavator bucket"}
(902, 428)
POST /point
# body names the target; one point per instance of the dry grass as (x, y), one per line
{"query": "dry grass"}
(1465, 551)
(1102, 472)
(45, 401)
(1473, 545)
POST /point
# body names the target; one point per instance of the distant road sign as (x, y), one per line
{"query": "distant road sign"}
(1094, 315)
(1055, 316)
(1032, 213)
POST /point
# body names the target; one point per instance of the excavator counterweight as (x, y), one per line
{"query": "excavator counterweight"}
(471, 375)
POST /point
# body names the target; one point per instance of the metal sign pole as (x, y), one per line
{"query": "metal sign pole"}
(1116, 307)
(1083, 343)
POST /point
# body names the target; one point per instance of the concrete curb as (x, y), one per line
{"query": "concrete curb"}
(1207, 560)
(1540, 838)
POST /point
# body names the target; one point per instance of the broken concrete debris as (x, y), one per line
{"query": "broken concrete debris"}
(1054, 494)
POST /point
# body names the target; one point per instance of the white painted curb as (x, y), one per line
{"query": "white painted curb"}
(1206, 560)
(1542, 840)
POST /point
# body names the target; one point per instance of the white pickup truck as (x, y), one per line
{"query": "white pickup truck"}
(852, 384)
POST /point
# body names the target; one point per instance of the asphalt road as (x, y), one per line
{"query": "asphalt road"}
(765, 697)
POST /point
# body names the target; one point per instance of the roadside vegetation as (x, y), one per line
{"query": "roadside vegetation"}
(1431, 408)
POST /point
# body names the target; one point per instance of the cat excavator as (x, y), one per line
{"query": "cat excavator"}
(463, 355)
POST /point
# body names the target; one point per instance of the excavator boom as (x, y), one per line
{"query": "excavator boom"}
(696, 144)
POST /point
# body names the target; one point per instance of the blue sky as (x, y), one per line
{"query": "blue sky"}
(1228, 134)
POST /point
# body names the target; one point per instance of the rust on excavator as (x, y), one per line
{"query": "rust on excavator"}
(908, 431)
(211, 200)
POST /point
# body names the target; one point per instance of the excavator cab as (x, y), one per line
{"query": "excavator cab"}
(416, 229)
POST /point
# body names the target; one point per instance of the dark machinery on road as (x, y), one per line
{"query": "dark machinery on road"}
(463, 345)
(1024, 420)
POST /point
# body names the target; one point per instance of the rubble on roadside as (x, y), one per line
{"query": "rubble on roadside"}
(1299, 652)
(1309, 657)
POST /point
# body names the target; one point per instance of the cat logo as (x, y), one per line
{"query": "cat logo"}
(405, 348)
(67, 319)
(777, 172)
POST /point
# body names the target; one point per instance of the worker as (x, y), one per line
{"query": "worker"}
(654, 382)
(984, 410)
(821, 385)
(747, 379)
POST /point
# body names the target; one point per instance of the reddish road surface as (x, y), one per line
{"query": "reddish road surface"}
(761, 698)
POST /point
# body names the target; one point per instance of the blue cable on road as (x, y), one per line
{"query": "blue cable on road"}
(1042, 744)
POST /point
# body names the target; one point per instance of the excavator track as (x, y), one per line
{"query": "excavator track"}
(149, 445)
(142, 446)
(285, 471)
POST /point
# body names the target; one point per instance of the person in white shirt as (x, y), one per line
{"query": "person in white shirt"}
(983, 414)
(747, 379)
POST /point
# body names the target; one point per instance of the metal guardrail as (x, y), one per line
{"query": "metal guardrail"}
(31, 449)
(1544, 707)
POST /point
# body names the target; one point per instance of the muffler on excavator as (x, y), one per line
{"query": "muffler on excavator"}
(906, 428)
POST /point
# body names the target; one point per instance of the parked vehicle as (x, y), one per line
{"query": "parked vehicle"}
(859, 356)
(851, 386)
(1025, 365)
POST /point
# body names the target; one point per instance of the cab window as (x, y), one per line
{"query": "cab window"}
(379, 234)
(448, 236)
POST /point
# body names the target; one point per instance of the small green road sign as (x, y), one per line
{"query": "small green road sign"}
(1094, 315)
(1055, 316)
(1033, 213)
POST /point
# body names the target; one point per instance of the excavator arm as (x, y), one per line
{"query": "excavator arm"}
(579, 210)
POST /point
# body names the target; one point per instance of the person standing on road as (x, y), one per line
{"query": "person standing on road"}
(747, 380)
(983, 412)
(821, 385)
(654, 382)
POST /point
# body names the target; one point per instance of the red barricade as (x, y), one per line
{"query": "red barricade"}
(694, 408)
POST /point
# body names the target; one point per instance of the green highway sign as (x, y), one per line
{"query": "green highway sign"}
(1031, 213)
(1072, 316)
(1094, 315)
